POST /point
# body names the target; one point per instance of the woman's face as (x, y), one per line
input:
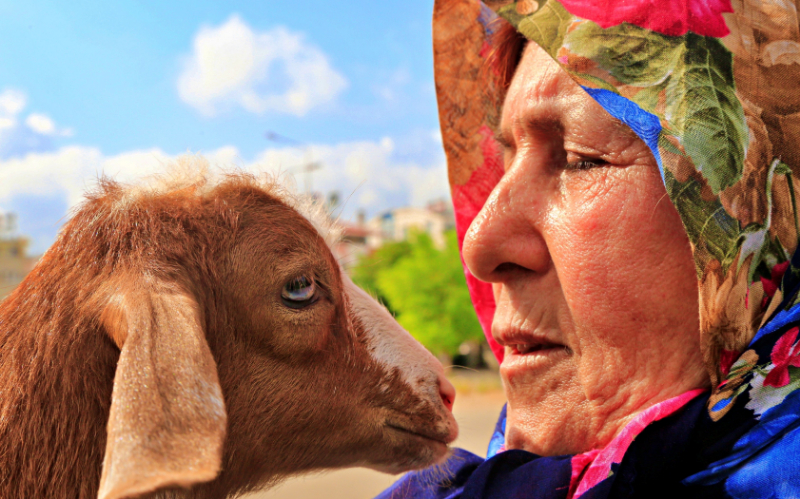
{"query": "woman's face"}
(592, 271)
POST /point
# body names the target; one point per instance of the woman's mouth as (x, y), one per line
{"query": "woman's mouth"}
(526, 348)
(535, 345)
(532, 354)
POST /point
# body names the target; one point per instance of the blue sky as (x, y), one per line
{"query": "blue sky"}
(120, 88)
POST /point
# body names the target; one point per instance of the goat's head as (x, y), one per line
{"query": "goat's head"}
(246, 353)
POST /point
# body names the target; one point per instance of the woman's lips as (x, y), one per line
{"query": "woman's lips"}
(522, 342)
(526, 348)
(526, 353)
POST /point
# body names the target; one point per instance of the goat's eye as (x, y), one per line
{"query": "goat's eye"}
(299, 292)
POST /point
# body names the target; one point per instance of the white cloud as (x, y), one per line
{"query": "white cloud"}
(366, 174)
(71, 171)
(35, 134)
(41, 123)
(12, 102)
(261, 71)
(44, 125)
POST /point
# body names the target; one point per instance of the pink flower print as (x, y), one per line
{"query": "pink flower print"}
(785, 353)
(580, 462)
(772, 284)
(670, 17)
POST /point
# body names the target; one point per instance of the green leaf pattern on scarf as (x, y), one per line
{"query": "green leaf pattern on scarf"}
(632, 55)
(705, 112)
(707, 223)
(547, 26)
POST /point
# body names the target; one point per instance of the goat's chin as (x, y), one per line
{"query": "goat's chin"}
(409, 450)
(418, 462)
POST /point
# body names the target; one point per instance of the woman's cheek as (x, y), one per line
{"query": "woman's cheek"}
(588, 233)
(606, 237)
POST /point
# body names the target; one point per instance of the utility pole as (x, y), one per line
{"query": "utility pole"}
(308, 167)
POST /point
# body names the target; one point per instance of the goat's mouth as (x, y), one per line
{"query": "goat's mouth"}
(405, 449)
(438, 437)
(409, 445)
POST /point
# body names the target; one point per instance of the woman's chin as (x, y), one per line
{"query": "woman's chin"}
(531, 367)
(547, 409)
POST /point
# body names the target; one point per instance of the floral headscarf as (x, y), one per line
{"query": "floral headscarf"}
(712, 86)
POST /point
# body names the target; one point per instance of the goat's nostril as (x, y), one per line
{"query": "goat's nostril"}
(447, 402)
(448, 393)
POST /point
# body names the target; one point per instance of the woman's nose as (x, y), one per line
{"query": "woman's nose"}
(506, 238)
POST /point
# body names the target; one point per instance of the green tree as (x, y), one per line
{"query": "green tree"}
(426, 290)
(365, 274)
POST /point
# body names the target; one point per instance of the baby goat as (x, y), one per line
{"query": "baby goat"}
(197, 338)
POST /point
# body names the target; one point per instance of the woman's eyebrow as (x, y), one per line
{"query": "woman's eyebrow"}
(545, 116)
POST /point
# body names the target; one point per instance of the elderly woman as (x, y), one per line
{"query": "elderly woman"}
(649, 348)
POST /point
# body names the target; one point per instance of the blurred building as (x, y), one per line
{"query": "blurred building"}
(352, 244)
(361, 237)
(14, 260)
(397, 224)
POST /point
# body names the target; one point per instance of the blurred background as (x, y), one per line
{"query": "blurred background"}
(338, 96)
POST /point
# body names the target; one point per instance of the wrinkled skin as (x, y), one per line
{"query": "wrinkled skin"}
(597, 302)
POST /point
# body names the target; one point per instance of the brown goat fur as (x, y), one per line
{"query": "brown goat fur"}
(156, 320)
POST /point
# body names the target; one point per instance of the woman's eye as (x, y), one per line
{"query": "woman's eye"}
(299, 292)
(585, 164)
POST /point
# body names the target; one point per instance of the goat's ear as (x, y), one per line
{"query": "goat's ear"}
(167, 421)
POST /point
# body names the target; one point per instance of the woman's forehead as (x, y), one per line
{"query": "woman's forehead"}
(543, 96)
(538, 93)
